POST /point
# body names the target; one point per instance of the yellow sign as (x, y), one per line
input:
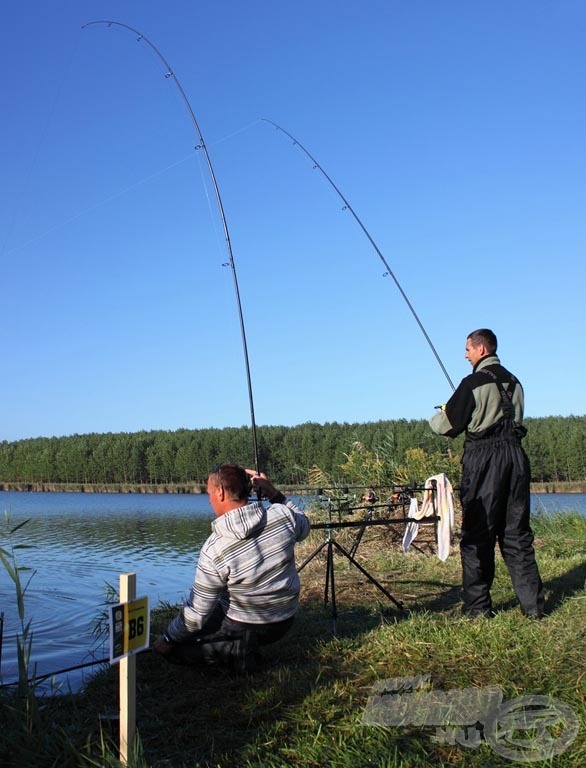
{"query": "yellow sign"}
(129, 628)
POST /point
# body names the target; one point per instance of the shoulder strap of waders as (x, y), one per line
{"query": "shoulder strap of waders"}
(506, 394)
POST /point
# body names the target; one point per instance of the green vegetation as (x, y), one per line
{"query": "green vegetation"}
(24, 638)
(556, 447)
(304, 707)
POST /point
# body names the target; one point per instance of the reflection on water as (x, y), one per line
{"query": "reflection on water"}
(79, 543)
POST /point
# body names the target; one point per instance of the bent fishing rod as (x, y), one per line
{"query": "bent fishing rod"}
(170, 74)
(374, 245)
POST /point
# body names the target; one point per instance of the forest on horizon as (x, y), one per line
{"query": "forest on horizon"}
(556, 447)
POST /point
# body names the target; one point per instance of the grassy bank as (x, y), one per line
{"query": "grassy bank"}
(304, 707)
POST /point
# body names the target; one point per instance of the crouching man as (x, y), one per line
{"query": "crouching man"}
(246, 588)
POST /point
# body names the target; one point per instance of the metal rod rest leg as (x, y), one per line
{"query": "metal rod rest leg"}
(364, 572)
(330, 585)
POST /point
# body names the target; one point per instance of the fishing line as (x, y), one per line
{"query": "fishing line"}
(41, 678)
(100, 203)
(201, 145)
(123, 191)
(389, 271)
(236, 132)
(206, 190)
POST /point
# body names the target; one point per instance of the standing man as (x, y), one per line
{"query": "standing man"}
(246, 587)
(488, 405)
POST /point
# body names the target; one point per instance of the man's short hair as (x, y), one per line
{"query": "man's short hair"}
(233, 479)
(484, 336)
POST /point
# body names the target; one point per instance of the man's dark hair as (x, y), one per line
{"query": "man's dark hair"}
(484, 336)
(233, 479)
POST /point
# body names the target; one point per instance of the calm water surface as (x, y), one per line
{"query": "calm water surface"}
(81, 542)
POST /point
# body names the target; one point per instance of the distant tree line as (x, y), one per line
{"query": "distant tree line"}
(556, 447)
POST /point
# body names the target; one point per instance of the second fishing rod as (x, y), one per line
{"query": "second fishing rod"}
(389, 271)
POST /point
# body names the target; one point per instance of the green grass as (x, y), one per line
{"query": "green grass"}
(304, 708)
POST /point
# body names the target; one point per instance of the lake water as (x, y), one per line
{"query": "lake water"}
(81, 542)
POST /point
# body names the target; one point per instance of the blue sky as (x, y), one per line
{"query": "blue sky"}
(455, 129)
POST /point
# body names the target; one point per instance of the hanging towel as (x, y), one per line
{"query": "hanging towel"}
(444, 508)
(412, 528)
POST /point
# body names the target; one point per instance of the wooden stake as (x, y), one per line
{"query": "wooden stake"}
(127, 685)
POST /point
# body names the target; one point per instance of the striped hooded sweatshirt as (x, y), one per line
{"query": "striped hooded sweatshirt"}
(247, 565)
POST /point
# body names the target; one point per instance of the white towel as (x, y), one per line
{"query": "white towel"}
(412, 528)
(444, 507)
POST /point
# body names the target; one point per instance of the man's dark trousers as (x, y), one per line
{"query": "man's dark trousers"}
(495, 496)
